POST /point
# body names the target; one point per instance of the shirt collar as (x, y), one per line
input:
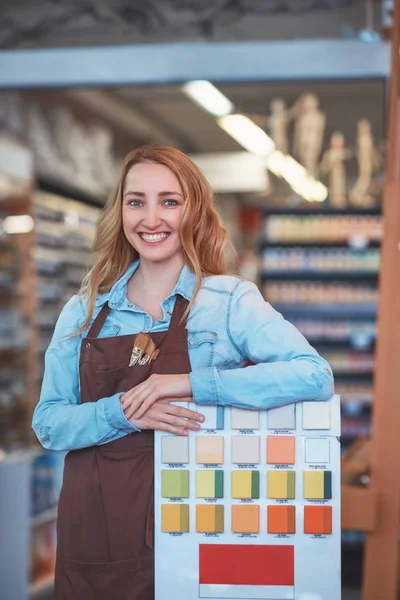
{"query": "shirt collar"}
(185, 286)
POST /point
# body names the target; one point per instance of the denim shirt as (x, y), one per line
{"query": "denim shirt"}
(229, 324)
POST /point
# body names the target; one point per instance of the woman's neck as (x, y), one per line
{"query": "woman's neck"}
(155, 280)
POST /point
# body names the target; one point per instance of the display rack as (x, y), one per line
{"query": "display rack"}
(39, 271)
(65, 230)
(320, 269)
(18, 389)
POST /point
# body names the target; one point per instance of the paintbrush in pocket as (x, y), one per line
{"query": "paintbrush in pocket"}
(139, 348)
(144, 350)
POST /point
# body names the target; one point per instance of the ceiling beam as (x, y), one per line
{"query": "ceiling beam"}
(123, 116)
(177, 62)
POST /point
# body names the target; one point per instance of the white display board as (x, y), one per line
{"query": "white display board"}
(249, 506)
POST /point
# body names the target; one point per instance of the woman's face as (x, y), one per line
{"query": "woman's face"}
(152, 211)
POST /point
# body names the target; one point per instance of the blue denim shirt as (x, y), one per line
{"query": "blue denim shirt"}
(229, 324)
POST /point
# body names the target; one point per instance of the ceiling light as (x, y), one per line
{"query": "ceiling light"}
(206, 95)
(18, 224)
(247, 134)
(287, 168)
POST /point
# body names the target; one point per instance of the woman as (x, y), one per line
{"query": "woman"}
(159, 271)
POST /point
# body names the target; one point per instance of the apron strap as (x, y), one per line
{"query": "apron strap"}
(179, 309)
(99, 321)
(176, 318)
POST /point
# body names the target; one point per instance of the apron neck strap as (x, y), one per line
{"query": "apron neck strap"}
(99, 322)
(177, 320)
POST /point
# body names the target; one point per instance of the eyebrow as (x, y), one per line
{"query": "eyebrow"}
(161, 194)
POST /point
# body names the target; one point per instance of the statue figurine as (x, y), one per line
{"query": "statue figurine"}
(369, 160)
(309, 130)
(333, 165)
(278, 122)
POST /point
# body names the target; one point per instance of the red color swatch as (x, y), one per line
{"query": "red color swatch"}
(246, 565)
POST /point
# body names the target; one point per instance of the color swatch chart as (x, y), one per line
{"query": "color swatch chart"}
(248, 507)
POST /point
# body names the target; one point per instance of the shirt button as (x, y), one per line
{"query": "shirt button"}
(191, 342)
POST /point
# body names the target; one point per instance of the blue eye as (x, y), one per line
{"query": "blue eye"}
(135, 203)
(170, 203)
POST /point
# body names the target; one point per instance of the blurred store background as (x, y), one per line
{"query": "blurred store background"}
(305, 221)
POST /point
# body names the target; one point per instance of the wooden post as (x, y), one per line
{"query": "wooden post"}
(380, 578)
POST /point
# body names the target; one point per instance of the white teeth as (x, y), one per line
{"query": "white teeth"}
(155, 237)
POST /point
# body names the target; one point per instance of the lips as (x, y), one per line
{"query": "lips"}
(154, 237)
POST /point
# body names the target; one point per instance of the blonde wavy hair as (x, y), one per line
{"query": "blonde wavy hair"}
(202, 234)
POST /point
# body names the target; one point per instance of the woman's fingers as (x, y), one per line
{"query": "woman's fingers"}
(181, 411)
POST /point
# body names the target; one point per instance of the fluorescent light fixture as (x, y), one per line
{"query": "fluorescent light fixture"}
(287, 168)
(247, 134)
(18, 224)
(206, 95)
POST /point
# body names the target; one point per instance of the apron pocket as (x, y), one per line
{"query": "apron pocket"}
(122, 373)
(113, 381)
(131, 579)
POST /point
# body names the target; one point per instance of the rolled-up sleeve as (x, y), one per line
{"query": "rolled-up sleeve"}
(284, 369)
(60, 421)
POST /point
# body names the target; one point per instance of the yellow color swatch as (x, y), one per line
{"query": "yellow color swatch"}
(241, 484)
(281, 484)
(205, 485)
(313, 484)
(318, 484)
(175, 517)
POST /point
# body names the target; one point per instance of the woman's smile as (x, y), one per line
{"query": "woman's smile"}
(153, 239)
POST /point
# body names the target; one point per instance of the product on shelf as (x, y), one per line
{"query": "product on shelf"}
(334, 229)
(315, 293)
(319, 259)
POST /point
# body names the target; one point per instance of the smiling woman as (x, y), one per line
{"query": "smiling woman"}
(152, 216)
(158, 326)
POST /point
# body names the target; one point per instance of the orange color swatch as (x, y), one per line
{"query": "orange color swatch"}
(245, 519)
(318, 519)
(281, 449)
(281, 519)
(209, 518)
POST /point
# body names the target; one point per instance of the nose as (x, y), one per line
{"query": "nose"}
(152, 219)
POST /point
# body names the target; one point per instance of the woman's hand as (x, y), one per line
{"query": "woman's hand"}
(168, 417)
(157, 387)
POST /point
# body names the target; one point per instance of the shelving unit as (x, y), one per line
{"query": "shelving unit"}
(320, 269)
(65, 231)
(39, 272)
(324, 280)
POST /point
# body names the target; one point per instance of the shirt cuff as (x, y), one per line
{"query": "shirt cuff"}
(114, 414)
(204, 386)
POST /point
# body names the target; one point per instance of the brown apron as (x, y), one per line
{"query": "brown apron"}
(106, 508)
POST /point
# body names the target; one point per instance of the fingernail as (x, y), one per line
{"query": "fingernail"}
(197, 426)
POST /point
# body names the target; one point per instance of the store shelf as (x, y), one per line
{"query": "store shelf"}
(354, 311)
(45, 517)
(60, 188)
(319, 244)
(342, 344)
(343, 377)
(320, 209)
(320, 275)
(44, 586)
